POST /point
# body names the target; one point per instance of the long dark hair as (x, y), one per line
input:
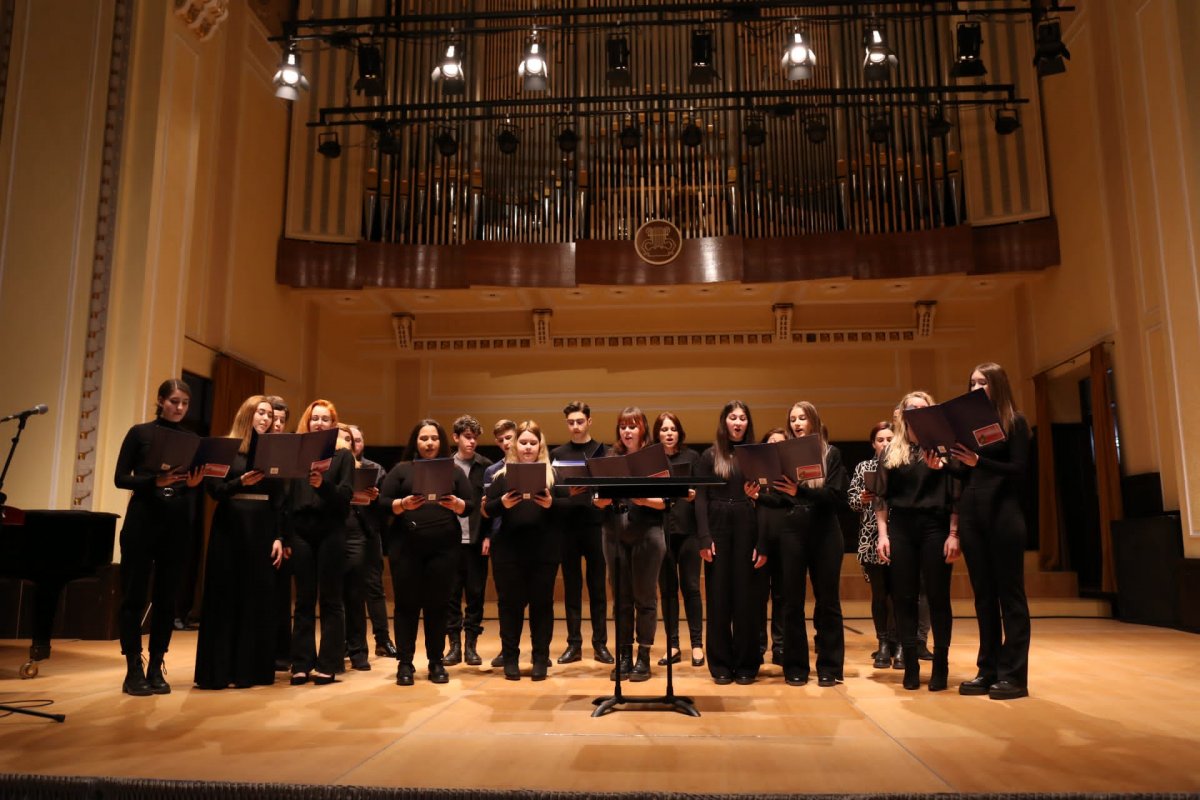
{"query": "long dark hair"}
(166, 389)
(410, 449)
(1000, 390)
(658, 423)
(722, 448)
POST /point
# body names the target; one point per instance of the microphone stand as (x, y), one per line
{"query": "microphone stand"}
(3, 515)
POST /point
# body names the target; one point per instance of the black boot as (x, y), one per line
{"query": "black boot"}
(154, 675)
(454, 654)
(940, 673)
(883, 656)
(135, 680)
(624, 663)
(912, 669)
(470, 655)
(641, 669)
(898, 657)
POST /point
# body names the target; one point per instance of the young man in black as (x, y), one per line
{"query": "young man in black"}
(471, 578)
(582, 539)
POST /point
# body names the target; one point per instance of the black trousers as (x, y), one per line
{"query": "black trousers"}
(917, 539)
(356, 591)
(376, 600)
(319, 566)
(470, 583)
(639, 563)
(423, 562)
(584, 544)
(681, 573)
(153, 546)
(775, 582)
(283, 611)
(522, 584)
(879, 577)
(992, 531)
(812, 547)
(735, 592)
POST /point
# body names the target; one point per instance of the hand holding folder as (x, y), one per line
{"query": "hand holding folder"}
(292, 455)
(969, 419)
(433, 478)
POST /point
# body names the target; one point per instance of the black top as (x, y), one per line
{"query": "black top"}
(914, 486)
(731, 493)
(325, 507)
(398, 485)
(1002, 465)
(131, 472)
(528, 532)
(224, 489)
(680, 517)
(822, 503)
(579, 511)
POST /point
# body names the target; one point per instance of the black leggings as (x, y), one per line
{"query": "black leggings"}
(879, 577)
(917, 538)
(681, 572)
(153, 542)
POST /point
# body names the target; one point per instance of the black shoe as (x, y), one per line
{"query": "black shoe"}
(321, 679)
(795, 679)
(827, 681)
(283, 665)
(360, 662)
(135, 679)
(697, 662)
(298, 678)
(898, 657)
(923, 652)
(912, 670)
(541, 667)
(883, 656)
(512, 671)
(454, 654)
(641, 667)
(470, 654)
(940, 672)
(600, 653)
(179, 624)
(976, 686)
(744, 679)
(625, 665)
(498, 661)
(570, 655)
(777, 655)
(1007, 690)
(722, 679)
(404, 675)
(675, 657)
(154, 676)
(386, 649)
(437, 672)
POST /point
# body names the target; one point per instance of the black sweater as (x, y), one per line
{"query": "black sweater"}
(398, 485)
(529, 532)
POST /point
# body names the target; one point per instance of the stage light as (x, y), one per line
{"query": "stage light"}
(798, 59)
(449, 73)
(691, 135)
(370, 71)
(446, 142)
(783, 110)
(755, 131)
(389, 143)
(816, 128)
(879, 127)
(1007, 120)
(328, 145)
(1049, 50)
(567, 138)
(967, 63)
(702, 71)
(630, 136)
(289, 79)
(936, 123)
(507, 140)
(617, 50)
(878, 60)
(532, 68)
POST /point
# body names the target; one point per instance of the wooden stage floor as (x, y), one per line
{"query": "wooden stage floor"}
(1114, 708)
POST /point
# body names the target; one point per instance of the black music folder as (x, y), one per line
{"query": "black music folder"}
(526, 479)
(759, 462)
(681, 470)
(292, 455)
(608, 467)
(969, 419)
(177, 451)
(433, 477)
(802, 458)
(872, 479)
(364, 481)
(570, 469)
(649, 462)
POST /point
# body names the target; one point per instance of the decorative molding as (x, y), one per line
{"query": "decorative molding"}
(202, 17)
(541, 326)
(783, 321)
(402, 330)
(925, 311)
(106, 212)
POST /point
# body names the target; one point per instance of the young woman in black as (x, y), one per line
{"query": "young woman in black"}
(525, 551)
(634, 545)
(918, 536)
(237, 627)
(153, 540)
(877, 573)
(732, 547)
(992, 527)
(681, 562)
(361, 538)
(423, 545)
(315, 520)
(811, 545)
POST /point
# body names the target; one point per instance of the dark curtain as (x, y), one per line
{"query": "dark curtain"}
(1108, 471)
(1050, 545)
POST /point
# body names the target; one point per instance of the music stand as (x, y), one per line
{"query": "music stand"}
(6, 514)
(640, 487)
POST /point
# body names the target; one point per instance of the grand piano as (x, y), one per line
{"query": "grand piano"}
(50, 549)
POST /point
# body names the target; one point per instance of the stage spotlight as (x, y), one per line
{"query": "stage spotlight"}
(783, 110)
(449, 73)
(968, 64)
(507, 140)
(567, 138)
(446, 142)
(389, 143)
(1049, 50)
(879, 127)
(702, 71)
(816, 128)
(936, 124)
(879, 59)
(691, 135)
(630, 136)
(532, 69)
(617, 50)
(755, 131)
(798, 59)
(1007, 120)
(370, 71)
(289, 79)
(328, 144)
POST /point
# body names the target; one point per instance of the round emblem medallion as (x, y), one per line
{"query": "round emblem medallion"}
(658, 242)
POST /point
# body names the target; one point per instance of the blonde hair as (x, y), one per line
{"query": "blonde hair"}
(814, 424)
(899, 450)
(243, 421)
(543, 455)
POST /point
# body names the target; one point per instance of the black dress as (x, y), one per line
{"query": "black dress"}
(236, 645)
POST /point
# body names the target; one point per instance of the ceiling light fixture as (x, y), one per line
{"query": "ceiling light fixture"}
(798, 59)
(532, 68)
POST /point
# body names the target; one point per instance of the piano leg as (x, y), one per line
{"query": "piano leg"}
(46, 593)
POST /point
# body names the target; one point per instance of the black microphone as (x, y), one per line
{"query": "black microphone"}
(40, 408)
